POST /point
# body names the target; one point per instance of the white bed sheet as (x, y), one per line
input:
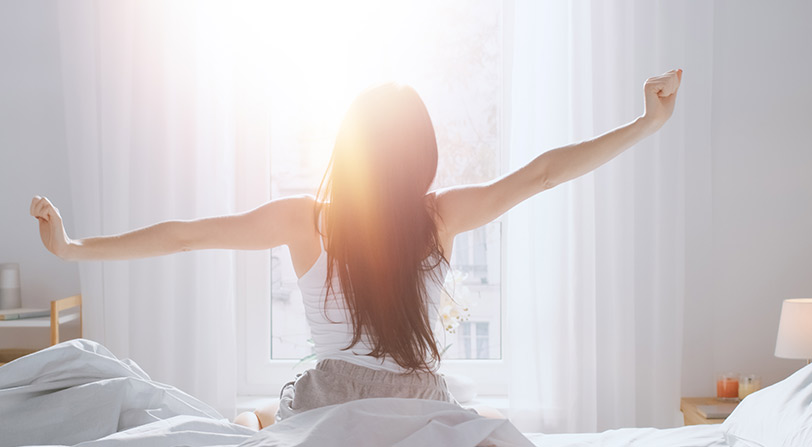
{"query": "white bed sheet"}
(692, 436)
(78, 394)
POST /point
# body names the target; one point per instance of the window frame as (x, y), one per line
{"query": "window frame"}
(489, 375)
(259, 375)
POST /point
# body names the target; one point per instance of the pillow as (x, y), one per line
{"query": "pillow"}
(777, 416)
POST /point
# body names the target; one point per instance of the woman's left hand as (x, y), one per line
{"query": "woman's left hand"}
(660, 96)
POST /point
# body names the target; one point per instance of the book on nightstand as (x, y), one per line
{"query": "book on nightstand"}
(718, 411)
(17, 314)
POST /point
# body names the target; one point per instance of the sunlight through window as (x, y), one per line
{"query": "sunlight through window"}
(298, 65)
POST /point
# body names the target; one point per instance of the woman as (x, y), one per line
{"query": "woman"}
(372, 247)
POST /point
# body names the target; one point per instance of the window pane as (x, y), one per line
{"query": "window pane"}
(466, 340)
(482, 341)
(476, 286)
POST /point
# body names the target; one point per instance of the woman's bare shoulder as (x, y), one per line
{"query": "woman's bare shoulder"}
(304, 201)
(298, 215)
(465, 207)
(294, 215)
(304, 209)
(443, 203)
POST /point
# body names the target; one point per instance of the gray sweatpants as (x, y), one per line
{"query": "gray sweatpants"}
(336, 381)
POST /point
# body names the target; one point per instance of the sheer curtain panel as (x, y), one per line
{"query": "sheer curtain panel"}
(150, 98)
(595, 268)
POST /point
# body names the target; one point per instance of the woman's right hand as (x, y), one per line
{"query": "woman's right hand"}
(51, 229)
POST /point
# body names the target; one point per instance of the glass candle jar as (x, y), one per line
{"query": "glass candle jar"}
(727, 386)
(748, 384)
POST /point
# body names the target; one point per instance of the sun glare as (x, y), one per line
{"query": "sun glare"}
(310, 58)
(294, 67)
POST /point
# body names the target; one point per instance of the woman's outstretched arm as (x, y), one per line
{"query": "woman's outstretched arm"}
(275, 223)
(467, 207)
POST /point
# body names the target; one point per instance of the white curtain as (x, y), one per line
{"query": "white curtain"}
(161, 125)
(156, 130)
(595, 268)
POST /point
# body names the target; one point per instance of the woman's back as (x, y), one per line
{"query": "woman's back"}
(330, 321)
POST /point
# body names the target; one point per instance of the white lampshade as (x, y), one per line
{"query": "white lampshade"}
(795, 330)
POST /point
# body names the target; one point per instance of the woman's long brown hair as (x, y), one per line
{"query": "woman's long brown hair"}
(379, 223)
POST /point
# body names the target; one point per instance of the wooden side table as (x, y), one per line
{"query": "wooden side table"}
(60, 305)
(691, 414)
(53, 322)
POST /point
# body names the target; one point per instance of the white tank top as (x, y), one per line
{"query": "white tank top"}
(331, 327)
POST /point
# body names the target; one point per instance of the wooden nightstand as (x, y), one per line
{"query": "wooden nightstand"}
(691, 414)
(53, 322)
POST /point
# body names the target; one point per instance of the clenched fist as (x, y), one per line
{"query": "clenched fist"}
(660, 96)
(51, 229)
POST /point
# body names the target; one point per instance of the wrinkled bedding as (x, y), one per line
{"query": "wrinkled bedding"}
(77, 393)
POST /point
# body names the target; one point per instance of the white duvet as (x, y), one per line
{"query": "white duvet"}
(77, 393)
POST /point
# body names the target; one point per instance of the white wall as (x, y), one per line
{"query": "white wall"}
(756, 247)
(33, 159)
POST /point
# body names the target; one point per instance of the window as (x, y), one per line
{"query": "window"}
(452, 56)
(455, 65)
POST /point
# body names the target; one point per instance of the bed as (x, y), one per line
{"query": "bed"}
(77, 393)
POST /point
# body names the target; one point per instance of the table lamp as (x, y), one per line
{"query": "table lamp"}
(794, 339)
